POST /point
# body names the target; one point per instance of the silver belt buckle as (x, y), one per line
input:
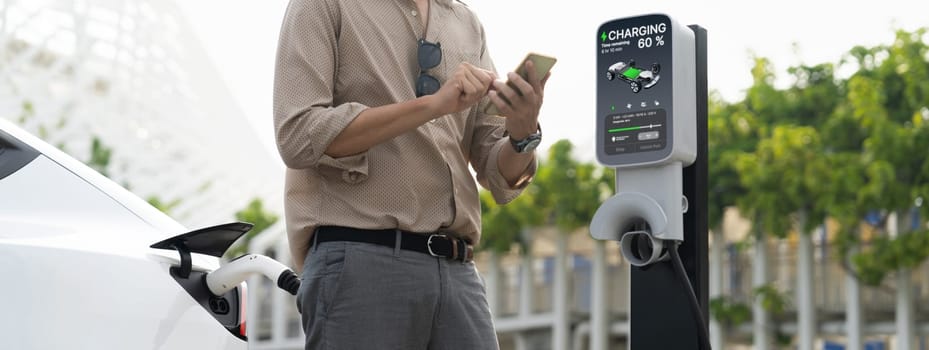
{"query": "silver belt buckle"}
(429, 244)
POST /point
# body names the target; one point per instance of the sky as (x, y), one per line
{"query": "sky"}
(241, 39)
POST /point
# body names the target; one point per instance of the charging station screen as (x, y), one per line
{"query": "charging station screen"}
(634, 90)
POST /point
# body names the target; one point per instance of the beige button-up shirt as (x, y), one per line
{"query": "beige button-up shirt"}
(338, 57)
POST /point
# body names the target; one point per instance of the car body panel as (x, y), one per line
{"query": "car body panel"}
(66, 199)
(163, 224)
(77, 269)
(63, 298)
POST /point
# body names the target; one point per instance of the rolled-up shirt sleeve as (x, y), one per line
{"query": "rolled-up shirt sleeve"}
(306, 120)
(487, 142)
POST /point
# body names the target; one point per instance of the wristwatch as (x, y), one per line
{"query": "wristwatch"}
(529, 143)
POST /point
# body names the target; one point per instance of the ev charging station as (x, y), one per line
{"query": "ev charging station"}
(651, 127)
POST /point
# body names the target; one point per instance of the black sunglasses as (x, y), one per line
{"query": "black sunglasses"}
(428, 55)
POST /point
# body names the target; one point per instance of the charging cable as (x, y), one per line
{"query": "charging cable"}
(703, 332)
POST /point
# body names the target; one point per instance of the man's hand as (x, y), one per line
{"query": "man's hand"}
(463, 89)
(519, 101)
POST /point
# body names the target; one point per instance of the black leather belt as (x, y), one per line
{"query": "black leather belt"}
(439, 245)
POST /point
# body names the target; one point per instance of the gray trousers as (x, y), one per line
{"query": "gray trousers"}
(366, 296)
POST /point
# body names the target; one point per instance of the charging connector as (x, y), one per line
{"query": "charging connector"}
(236, 271)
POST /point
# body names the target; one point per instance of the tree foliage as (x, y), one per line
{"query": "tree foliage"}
(829, 146)
(887, 255)
(729, 312)
(256, 214)
(100, 156)
(565, 193)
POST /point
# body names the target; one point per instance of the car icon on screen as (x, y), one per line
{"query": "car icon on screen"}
(637, 78)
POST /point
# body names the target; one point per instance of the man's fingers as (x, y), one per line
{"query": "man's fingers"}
(472, 82)
(532, 75)
(502, 104)
(523, 88)
(506, 91)
(484, 77)
(545, 79)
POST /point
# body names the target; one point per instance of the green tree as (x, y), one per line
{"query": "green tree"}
(572, 191)
(731, 131)
(564, 193)
(888, 98)
(832, 147)
(255, 214)
(163, 205)
(502, 225)
(100, 156)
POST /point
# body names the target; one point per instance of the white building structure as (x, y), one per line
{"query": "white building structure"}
(131, 74)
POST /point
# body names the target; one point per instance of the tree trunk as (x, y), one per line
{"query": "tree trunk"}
(806, 309)
(599, 307)
(526, 288)
(493, 283)
(762, 338)
(896, 225)
(717, 248)
(561, 329)
(853, 313)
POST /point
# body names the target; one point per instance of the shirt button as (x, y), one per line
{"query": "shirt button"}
(413, 13)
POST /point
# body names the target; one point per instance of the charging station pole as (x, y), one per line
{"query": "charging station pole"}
(658, 308)
(652, 128)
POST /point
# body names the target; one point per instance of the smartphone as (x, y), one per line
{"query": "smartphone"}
(542, 63)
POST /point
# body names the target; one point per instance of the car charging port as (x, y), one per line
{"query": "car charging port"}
(219, 305)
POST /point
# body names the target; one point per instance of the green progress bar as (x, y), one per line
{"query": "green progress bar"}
(625, 129)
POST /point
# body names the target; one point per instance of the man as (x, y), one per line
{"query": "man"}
(378, 113)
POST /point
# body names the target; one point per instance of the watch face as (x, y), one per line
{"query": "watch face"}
(531, 144)
(528, 144)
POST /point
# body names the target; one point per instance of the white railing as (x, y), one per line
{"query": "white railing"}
(533, 326)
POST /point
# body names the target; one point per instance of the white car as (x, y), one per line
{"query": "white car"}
(85, 264)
